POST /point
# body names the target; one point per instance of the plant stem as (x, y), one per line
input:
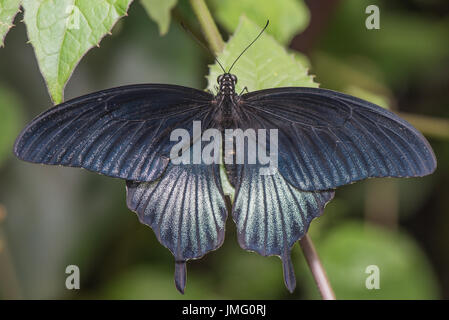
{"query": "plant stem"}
(321, 280)
(208, 25)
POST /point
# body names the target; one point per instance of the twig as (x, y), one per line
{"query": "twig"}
(208, 25)
(317, 269)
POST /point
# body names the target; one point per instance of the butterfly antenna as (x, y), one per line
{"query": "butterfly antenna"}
(260, 33)
(202, 45)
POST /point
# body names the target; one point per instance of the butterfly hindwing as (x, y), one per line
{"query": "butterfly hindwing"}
(270, 213)
(328, 139)
(186, 209)
(121, 132)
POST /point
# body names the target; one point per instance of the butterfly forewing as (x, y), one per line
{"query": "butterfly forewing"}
(122, 132)
(328, 139)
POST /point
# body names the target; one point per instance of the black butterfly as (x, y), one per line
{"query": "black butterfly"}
(326, 139)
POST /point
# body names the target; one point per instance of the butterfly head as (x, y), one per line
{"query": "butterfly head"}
(227, 82)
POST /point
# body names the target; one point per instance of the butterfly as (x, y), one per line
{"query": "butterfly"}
(325, 139)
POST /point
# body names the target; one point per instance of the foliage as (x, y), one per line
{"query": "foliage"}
(8, 10)
(159, 11)
(61, 33)
(287, 17)
(265, 65)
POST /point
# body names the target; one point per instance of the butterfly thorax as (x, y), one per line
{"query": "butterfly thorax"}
(226, 98)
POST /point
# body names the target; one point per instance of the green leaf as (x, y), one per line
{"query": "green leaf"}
(8, 10)
(265, 65)
(62, 31)
(347, 251)
(159, 11)
(301, 58)
(287, 17)
(10, 121)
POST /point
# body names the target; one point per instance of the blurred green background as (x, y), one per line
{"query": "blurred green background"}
(52, 217)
